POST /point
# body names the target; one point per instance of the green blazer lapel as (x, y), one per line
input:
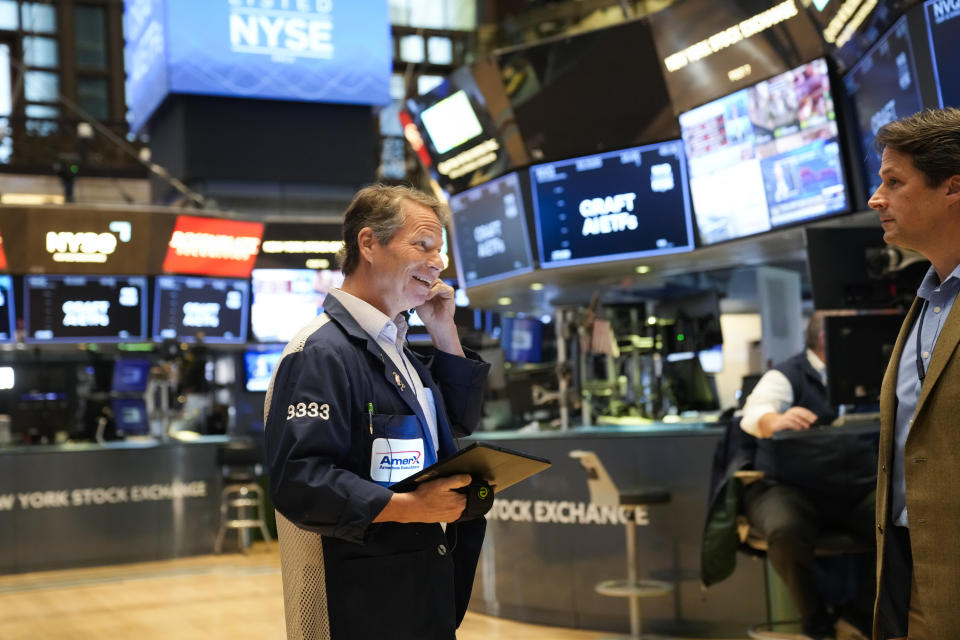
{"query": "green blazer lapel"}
(942, 352)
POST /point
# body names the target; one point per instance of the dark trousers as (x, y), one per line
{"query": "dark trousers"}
(792, 519)
(893, 606)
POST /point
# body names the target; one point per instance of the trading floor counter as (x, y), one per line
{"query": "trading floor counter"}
(547, 547)
(85, 504)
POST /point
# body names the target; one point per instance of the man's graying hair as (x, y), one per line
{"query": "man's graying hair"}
(930, 137)
(379, 207)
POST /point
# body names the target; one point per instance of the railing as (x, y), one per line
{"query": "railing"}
(68, 146)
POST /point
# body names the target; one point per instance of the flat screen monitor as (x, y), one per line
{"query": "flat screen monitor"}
(858, 350)
(590, 92)
(522, 339)
(490, 237)
(844, 265)
(84, 309)
(612, 206)
(259, 366)
(689, 321)
(214, 307)
(765, 156)
(943, 30)
(130, 415)
(285, 300)
(8, 316)
(884, 87)
(451, 122)
(687, 385)
(130, 375)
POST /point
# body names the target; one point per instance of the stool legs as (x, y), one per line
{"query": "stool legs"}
(241, 497)
(635, 619)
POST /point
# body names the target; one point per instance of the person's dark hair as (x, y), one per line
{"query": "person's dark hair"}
(930, 137)
(379, 207)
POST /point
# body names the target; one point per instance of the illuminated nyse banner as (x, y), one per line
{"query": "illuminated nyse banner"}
(185, 307)
(490, 234)
(84, 241)
(214, 247)
(84, 309)
(8, 316)
(306, 50)
(943, 27)
(884, 87)
(765, 156)
(612, 206)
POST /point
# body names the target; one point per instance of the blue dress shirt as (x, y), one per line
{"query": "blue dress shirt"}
(938, 298)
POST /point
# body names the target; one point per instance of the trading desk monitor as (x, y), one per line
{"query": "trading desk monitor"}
(214, 307)
(285, 300)
(84, 309)
(130, 376)
(844, 272)
(612, 206)
(8, 317)
(943, 29)
(259, 366)
(522, 339)
(490, 237)
(765, 156)
(858, 350)
(130, 415)
(884, 87)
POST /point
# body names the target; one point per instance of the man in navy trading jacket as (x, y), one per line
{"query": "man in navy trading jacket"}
(351, 411)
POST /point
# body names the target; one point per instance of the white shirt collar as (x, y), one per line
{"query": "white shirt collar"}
(372, 320)
(818, 365)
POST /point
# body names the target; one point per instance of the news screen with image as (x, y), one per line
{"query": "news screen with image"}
(765, 156)
(490, 236)
(884, 88)
(8, 316)
(612, 206)
(285, 300)
(84, 309)
(185, 307)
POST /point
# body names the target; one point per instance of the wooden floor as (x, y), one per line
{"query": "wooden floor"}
(231, 597)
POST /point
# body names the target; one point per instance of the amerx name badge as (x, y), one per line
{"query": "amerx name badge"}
(393, 459)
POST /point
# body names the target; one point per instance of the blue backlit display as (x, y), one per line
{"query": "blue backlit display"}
(307, 50)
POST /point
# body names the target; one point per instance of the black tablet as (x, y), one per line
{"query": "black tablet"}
(499, 466)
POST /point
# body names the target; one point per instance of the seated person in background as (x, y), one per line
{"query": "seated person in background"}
(791, 515)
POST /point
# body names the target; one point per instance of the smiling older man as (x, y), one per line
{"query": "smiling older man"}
(351, 411)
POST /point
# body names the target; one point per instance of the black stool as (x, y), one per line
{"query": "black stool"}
(604, 492)
(241, 501)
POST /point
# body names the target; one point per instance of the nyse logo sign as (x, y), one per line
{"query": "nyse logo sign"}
(282, 29)
(88, 246)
